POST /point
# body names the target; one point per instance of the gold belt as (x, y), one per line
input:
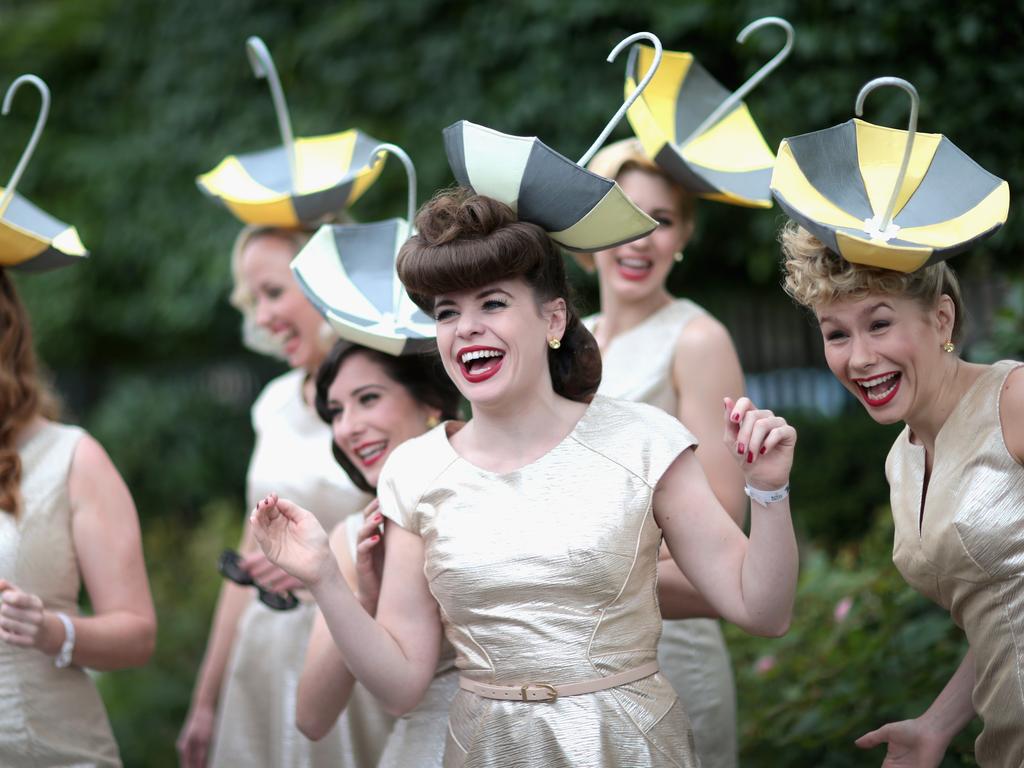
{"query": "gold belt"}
(549, 692)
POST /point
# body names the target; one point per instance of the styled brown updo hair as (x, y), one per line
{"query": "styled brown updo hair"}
(23, 396)
(467, 241)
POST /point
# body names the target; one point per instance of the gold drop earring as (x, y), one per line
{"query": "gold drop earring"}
(554, 343)
(948, 346)
(432, 421)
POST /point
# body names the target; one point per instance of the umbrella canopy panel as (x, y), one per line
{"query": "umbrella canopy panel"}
(729, 161)
(332, 172)
(833, 182)
(348, 273)
(33, 241)
(578, 209)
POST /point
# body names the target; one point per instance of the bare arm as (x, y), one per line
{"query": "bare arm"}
(395, 655)
(678, 598)
(105, 532)
(706, 369)
(922, 742)
(750, 582)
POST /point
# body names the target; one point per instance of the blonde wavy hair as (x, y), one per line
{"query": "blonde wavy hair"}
(816, 276)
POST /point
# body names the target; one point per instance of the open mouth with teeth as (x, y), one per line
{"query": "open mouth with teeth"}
(480, 363)
(633, 268)
(370, 453)
(879, 390)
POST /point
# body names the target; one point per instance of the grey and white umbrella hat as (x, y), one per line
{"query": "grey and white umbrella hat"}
(579, 209)
(348, 273)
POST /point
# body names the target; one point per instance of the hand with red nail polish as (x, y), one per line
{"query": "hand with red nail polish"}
(762, 441)
(369, 558)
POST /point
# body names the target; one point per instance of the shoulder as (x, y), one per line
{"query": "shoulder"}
(1011, 411)
(408, 473)
(639, 437)
(92, 470)
(702, 336)
(277, 395)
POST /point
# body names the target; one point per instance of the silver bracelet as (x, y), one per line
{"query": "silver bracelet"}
(63, 658)
(766, 497)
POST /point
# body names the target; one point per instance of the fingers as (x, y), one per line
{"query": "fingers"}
(873, 738)
(5, 585)
(751, 432)
(370, 526)
(15, 598)
(365, 546)
(371, 508)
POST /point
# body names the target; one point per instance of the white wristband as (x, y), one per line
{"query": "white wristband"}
(63, 658)
(766, 497)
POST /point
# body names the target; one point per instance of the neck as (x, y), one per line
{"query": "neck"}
(950, 386)
(619, 315)
(523, 429)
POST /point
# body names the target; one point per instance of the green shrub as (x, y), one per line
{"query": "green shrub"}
(864, 649)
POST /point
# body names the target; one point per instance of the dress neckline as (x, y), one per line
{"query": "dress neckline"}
(626, 333)
(445, 439)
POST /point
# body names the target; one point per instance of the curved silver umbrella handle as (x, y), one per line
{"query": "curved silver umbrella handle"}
(26, 155)
(880, 223)
(617, 117)
(263, 67)
(410, 175)
(755, 79)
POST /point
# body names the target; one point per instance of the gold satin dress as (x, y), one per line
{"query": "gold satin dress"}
(966, 552)
(548, 574)
(48, 716)
(637, 366)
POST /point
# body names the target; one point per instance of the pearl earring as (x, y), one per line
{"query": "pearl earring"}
(678, 257)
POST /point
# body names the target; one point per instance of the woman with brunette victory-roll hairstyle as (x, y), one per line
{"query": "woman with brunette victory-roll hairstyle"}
(531, 532)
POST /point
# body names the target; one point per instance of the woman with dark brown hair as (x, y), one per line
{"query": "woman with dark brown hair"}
(531, 532)
(66, 518)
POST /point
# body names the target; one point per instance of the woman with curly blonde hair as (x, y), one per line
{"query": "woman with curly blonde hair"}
(956, 477)
(66, 518)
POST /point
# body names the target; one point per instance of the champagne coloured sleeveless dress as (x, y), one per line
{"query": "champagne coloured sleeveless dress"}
(256, 712)
(966, 551)
(637, 366)
(48, 716)
(548, 575)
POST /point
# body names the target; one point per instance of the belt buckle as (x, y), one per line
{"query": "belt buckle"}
(546, 686)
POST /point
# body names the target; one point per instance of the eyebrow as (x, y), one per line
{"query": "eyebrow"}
(868, 311)
(482, 294)
(365, 387)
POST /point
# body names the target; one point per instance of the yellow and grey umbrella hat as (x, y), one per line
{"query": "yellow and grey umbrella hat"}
(348, 273)
(33, 241)
(728, 161)
(332, 172)
(836, 183)
(580, 210)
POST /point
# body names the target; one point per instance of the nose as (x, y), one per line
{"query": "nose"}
(862, 354)
(262, 313)
(469, 325)
(347, 428)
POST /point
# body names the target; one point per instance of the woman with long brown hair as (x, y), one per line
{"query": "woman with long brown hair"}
(66, 519)
(531, 532)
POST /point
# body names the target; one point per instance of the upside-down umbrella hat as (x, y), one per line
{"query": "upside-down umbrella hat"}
(699, 132)
(303, 181)
(348, 273)
(884, 197)
(578, 209)
(30, 239)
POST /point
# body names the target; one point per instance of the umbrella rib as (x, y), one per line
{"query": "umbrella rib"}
(37, 132)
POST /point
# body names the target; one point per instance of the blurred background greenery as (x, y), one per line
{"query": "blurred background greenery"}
(146, 351)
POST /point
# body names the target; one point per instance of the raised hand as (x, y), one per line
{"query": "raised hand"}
(370, 558)
(762, 443)
(910, 745)
(292, 538)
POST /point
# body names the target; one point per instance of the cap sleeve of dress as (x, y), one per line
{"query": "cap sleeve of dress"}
(398, 487)
(667, 438)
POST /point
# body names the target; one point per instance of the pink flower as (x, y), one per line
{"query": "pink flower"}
(842, 609)
(764, 665)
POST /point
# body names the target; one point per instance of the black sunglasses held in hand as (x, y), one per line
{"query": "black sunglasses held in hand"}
(230, 568)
